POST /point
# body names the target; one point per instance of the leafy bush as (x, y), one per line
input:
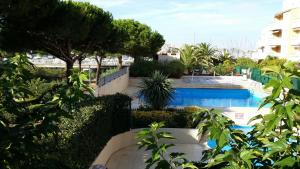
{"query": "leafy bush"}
(149, 139)
(143, 68)
(174, 69)
(192, 109)
(47, 73)
(29, 114)
(53, 125)
(109, 72)
(224, 69)
(83, 136)
(246, 63)
(271, 61)
(172, 119)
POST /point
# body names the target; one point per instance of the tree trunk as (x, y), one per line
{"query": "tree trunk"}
(69, 68)
(120, 62)
(155, 58)
(98, 73)
(79, 65)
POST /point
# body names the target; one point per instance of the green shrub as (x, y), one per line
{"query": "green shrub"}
(47, 73)
(246, 63)
(172, 119)
(192, 109)
(83, 136)
(143, 68)
(108, 72)
(224, 69)
(174, 69)
(271, 61)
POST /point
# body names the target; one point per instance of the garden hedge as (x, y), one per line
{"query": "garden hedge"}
(172, 119)
(142, 68)
(84, 133)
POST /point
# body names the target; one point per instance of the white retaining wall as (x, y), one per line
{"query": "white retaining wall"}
(118, 85)
(121, 141)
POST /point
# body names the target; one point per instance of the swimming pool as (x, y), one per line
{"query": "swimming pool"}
(215, 98)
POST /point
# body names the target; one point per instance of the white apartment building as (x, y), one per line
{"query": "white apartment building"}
(282, 37)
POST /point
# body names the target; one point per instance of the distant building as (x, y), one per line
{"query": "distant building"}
(168, 53)
(282, 37)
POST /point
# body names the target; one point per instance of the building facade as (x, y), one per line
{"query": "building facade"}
(282, 37)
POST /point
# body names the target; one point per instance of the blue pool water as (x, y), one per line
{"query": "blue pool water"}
(215, 98)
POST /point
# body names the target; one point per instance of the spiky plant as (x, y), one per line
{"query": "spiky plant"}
(157, 91)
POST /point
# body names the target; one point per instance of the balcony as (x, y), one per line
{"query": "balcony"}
(277, 33)
(275, 41)
(275, 50)
(279, 16)
(296, 25)
(276, 26)
(295, 42)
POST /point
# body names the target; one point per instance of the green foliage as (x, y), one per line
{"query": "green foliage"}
(63, 30)
(150, 139)
(186, 56)
(157, 91)
(223, 56)
(218, 127)
(225, 68)
(174, 69)
(143, 68)
(109, 72)
(28, 116)
(246, 63)
(278, 131)
(141, 41)
(83, 136)
(171, 119)
(47, 73)
(199, 56)
(271, 61)
(204, 57)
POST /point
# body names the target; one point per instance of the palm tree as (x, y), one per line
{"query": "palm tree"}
(157, 91)
(186, 56)
(225, 55)
(204, 55)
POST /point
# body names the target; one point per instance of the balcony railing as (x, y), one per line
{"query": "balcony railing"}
(296, 23)
(295, 41)
(278, 25)
(107, 79)
(275, 41)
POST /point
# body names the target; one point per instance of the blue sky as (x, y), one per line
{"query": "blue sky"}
(224, 23)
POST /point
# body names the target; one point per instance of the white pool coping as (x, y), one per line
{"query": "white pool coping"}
(122, 152)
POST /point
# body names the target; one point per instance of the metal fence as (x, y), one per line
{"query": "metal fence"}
(107, 79)
(258, 75)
